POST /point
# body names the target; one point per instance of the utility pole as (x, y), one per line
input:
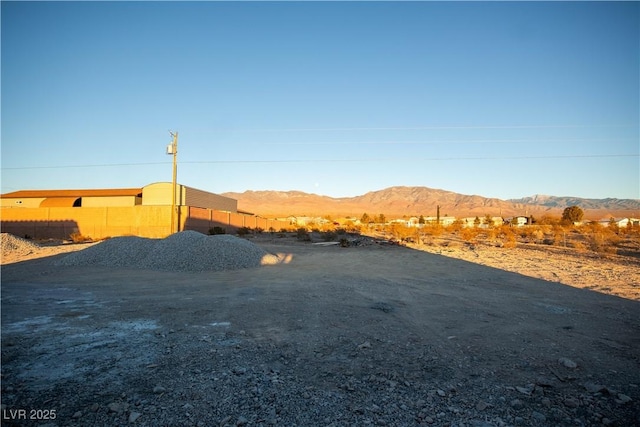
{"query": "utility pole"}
(173, 149)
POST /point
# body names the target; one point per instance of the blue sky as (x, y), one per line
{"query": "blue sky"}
(499, 99)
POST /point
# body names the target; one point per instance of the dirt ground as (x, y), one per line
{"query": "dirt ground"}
(364, 335)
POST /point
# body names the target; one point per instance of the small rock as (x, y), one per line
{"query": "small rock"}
(133, 416)
(239, 370)
(570, 402)
(517, 404)
(538, 416)
(187, 406)
(544, 382)
(365, 344)
(242, 421)
(77, 414)
(481, 405)
(525, 390)
(429, 420)
(159, 389)
(594, 388)
(115, 407)
(567, 363)
(441, 393)
(623, 398)
(606, 421)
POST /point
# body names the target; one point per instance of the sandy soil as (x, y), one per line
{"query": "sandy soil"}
(364, 335)
(610, 274)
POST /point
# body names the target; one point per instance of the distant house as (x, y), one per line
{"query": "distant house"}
(518, 221)
(444, 220)
(620, 222)
(471, 221)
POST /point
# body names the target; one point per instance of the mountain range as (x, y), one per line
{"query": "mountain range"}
(410, 201)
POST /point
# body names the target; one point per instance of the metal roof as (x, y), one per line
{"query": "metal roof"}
(36, 194)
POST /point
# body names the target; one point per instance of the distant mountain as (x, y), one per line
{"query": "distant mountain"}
(410, 201)
(563, 202)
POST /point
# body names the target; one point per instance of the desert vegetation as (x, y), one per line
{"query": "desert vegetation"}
(595, 237)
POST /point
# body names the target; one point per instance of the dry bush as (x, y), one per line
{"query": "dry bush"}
(579, 246)
(507, 236)
(455, 226)
(531, 233)
(469, 234)
(559, 235)
(77, 237)
(433, 230)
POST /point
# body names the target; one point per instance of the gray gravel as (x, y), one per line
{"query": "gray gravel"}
(11, 243)
(184, 251)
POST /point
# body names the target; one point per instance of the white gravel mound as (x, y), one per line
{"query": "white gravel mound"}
(184, 251)
(17, 245)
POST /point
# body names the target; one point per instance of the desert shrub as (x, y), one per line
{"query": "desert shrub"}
(303, 235)
(559, 235)
(507, 236)
(456, 226)
(77, 237)
(579, 246)
(469, 234)
(328, 236)
(217, 230)
(243, 231)
(433, 229)
(403, 233)
(344, 243)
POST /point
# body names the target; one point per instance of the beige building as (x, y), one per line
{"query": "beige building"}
(72, 198)
(144, 212)
(156, 194)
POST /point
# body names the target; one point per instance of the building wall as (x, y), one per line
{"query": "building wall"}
(204, 199)
(21, 202)
(143, 221)
(202, 220)
(159, 194)
(99, 202)
(97, 223)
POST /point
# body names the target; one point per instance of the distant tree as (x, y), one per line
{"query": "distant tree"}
(476, 222)
(488, 220)
(365, 219)
(421, 220)
(382, 219)
(572, 214)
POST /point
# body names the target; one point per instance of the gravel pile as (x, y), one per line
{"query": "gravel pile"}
(17, 245)
(184, 251)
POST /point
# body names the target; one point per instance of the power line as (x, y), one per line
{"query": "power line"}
(452, 127)
(363, 160)
(454, 141)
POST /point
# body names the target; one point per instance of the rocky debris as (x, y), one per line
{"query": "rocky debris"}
(184, 251)
(567, 363)
(16, 245)
(276, 388)
(234, 375)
